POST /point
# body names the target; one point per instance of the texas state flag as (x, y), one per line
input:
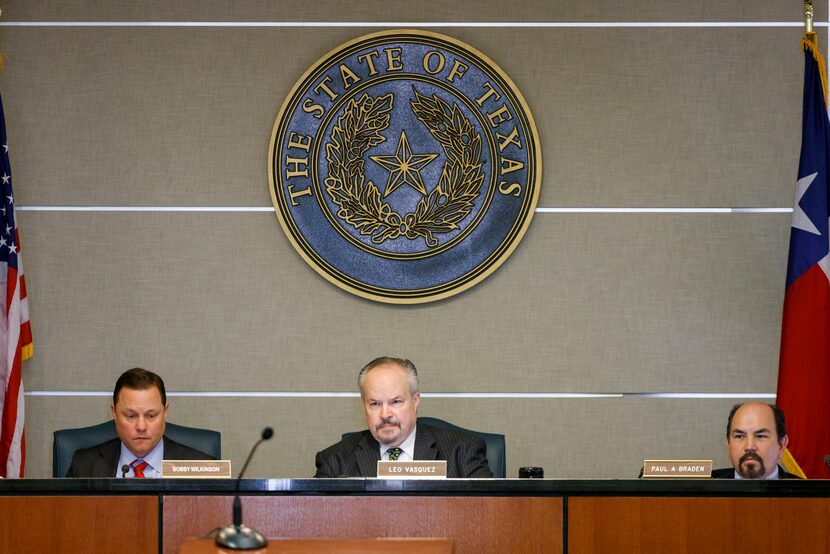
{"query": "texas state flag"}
(804, 366)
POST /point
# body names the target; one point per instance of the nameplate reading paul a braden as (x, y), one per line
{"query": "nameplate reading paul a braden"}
(196, 469)
(677, 469)
(417, 469)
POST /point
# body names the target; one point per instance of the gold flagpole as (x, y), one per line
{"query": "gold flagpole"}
(810, 42)
(808, 20)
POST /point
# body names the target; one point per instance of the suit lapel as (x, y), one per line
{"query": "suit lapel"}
(425, 447)
(171, 450)
(109, 453)
(367, 455)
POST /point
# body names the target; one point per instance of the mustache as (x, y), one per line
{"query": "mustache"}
(750, 456)
(387, 421)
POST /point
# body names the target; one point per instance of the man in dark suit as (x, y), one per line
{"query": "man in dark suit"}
(390, 395)
(139, 406)
(756, 437)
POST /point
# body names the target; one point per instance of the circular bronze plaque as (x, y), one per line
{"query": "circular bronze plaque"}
(405, 166)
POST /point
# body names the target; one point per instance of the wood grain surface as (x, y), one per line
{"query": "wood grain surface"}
(694, 525)
(99, 524)
(475, 524)
(330, 546)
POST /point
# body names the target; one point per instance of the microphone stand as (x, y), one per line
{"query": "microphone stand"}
(239, 536)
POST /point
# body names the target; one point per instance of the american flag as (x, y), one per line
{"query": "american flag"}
(15, 331)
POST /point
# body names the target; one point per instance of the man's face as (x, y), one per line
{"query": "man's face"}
(139, 419)
(391, 408)
(753, 443)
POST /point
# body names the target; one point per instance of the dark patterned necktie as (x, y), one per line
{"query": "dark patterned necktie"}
(394, 453)
(138, 468)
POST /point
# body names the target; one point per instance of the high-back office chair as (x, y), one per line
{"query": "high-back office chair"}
(67, 441)
(496, 457)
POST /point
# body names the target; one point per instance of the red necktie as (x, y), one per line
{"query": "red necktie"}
(138, 468)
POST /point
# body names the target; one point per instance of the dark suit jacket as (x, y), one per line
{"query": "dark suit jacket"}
(357, 455)
(101, 460)
(729, 473)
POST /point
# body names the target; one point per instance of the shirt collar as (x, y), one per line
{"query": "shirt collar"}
(153, 459)
(408, 447)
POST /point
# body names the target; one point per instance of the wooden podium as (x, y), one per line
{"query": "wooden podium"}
(475, 524)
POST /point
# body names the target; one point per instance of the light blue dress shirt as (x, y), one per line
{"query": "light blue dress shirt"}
(154, 458)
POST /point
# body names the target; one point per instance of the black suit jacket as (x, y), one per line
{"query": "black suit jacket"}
(358, 455)
(729, 473)
(101, 460)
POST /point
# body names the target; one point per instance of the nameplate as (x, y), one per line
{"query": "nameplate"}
(417, 469)
(196, 469)
(677, 469)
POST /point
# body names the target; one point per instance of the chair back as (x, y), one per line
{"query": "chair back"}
(67, 441)
(496, 456)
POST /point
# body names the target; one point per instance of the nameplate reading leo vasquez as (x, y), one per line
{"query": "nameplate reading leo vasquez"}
(196, 469)
(417, 469)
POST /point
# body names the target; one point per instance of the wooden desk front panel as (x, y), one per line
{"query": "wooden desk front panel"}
(100, 524)
(694, 525)
(477, 524)
(331, 546)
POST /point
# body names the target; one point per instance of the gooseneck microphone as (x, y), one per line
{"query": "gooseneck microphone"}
(124, 470)
(238, 536)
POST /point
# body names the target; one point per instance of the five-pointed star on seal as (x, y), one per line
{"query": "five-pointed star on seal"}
(404, 167)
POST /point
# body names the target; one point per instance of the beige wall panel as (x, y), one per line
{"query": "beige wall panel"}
(570, 438)
(400, 10)
(144, 116)
(589, 302)
(627, 117)
(684, 118)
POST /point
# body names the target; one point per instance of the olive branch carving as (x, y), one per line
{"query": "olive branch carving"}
(359, 202)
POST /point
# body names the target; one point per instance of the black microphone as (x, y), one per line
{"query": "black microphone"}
(124, 469)
(238, 536)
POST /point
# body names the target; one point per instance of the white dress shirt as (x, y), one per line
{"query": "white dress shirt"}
(408, 447)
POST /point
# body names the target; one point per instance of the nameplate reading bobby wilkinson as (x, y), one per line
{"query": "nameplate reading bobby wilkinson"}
(405, 166)
(196, 469)
(677, 469)
(417, 469)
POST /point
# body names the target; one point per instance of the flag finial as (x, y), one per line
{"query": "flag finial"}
(808, 16)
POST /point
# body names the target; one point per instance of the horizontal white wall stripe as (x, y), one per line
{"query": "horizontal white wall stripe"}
(144, 208)
(408, 24)
(271, 209)
(521, 395)
(736, 395)
(506, 395)
(665, 210)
